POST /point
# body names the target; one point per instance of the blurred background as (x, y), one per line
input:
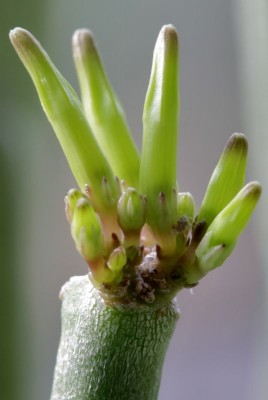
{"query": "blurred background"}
(220, 347)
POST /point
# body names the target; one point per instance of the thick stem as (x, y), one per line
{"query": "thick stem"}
(109, 353)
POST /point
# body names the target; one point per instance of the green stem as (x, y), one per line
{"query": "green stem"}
(108, 353)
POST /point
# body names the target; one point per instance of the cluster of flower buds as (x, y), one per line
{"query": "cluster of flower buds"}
(140, 236)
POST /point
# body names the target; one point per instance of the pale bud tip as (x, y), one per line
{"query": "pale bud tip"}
(83, 42)
(169, 33)
(253, 189)
(20, 36)
(237, 142)
(15, 32)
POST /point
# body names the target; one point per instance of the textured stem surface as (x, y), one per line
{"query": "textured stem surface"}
(107, 353)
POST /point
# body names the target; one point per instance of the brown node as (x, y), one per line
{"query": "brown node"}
(115, 239)
(199, 231)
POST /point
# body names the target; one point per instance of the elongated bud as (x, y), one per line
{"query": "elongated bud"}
(109, 127)
(131, 211)
(224, 231)
(227, 178)
(232, 220)
(117, 259)
(160, 124)
(185, 205)
(86, 231)
(70, 202)
(66, 116)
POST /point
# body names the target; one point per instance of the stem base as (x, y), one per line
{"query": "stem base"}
(109, 353)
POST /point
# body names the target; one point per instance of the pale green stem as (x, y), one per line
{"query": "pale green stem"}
(108, 353)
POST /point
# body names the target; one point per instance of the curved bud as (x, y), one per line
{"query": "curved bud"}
(185, 205)
(160, 126)
(64, 111)
(117, 259)
(86, 231)
(222, 234)
(70, 202)
(232, 220)
(109, 127)
(227, 178)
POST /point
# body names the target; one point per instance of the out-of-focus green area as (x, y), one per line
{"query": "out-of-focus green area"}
(220, 341)
(8, 348)
(16, 357)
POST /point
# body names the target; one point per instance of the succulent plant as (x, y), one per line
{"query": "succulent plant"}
(139, 235)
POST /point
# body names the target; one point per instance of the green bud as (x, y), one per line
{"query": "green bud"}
(131, 211)
(232, 220)
(109, 127)
(227, 178)
(222, 234)
(86, 230)
(117, 259)
(212, 257)
(70, 202)
(66, 116)
(100, 275)
(160, 124)
(185, 205)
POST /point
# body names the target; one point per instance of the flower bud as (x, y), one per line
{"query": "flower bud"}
(185, 206)
(221, 236)
(86, 231)
(160, 125)
(109, 127)
(64, 111)
(232, 220)
(131, 211)
(227, 178)
(117, 259)
(100, 275)
(70, 202)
